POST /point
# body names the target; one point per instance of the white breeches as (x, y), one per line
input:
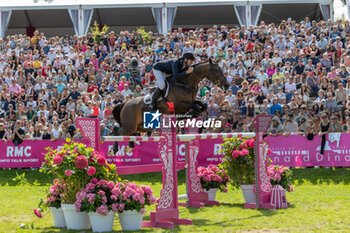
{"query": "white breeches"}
(160, 80)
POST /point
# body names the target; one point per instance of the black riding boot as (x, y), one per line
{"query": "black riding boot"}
(155, 96)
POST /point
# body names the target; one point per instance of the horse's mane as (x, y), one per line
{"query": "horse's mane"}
(200, 63)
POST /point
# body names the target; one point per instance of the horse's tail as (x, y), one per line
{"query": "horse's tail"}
(116, 112)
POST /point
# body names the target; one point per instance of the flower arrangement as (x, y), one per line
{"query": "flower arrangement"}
(134, 197)
(280, 175)
(53, 198)
(77, 164)
(213, 177)
(239, 160)
(98, 196)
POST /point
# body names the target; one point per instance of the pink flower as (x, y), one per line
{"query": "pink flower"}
(52, 199)
(94, 180)
(103, 210)
(77, 205)
(116, 192)
(114, 198)
(244, 152)
(91, 198)
(152, 199)
(91, 171)
(243, 146)
(235, 154)
(110, 185)
(133, 186)
(104, 200)
(38, 213)
(114, 206)
(251, 143)
(207, 178)
(277, 176)
(101, 192)
(68, 172)
(101, 160)
(121, 207)
(57, 160)
(90, 187)
(81, 162)
(103, 182)
(225, 190)
(291, 188)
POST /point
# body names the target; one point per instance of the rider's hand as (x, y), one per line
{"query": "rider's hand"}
(190, 70)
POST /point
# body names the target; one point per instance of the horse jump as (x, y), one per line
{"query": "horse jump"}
(167, 214)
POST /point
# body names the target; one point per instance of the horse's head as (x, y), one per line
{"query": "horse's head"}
(215, 75)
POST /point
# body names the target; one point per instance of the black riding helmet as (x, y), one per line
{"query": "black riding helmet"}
(189, 56)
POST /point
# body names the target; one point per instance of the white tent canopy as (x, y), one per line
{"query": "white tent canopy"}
(75, 16)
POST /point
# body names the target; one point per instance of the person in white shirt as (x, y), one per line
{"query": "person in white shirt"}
(126, 91)
(230, 97)
(290, 88)
(276, 58)
(51, 55)
(262, 76)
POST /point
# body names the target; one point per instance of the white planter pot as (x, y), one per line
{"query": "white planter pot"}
(75, 220)
(130, 220)
(248, 193)
(58, 217)
(101, 223)
(211, 194)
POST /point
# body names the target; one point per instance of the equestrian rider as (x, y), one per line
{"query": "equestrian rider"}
(177, 68)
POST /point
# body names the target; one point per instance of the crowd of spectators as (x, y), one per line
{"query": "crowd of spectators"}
(297, 71)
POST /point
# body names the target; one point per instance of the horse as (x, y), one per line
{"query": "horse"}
(183, 94)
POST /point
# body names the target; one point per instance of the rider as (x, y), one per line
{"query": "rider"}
(177, 68)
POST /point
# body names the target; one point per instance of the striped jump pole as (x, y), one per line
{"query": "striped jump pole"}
(196, 197)
(132, 139)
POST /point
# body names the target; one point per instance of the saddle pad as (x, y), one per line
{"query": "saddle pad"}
(148, 98)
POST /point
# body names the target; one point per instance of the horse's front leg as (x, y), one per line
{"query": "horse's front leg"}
(203, 106)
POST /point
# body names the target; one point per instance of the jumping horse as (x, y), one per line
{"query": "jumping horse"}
(183, 94)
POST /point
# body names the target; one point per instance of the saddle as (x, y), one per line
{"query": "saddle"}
(148, 98)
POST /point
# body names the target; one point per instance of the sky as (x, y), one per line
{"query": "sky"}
(339, 9)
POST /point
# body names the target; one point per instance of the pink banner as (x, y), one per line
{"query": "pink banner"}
(31, 153)
(147, 153)
(27, 154)
(291, 151)
(298, 151)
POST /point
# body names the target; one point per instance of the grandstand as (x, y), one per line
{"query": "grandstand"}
(60, 17)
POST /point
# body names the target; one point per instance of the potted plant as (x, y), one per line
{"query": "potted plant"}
(280, 178)
(212, 179)
(132, 202)
(238, 162)
(76, 164)
(280, 175)
(53, 202)
(99, 199)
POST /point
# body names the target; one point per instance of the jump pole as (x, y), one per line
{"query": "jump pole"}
(195, 195)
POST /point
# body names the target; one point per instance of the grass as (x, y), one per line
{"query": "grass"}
(320, 203)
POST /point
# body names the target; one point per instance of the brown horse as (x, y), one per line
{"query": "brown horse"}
(183, 94)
